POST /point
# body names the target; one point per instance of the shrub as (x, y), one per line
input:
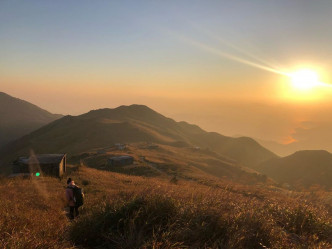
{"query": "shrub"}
(161, 221)
(128, 224)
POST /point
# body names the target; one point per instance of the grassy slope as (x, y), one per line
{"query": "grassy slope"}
(168, 161)
(134, 212)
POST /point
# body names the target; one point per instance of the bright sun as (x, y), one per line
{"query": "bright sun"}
(304, 79)
(305, 85)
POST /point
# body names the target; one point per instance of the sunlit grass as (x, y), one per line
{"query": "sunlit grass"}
(135, 212)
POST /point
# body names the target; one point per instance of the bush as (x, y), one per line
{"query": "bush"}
(128, 224)
(160, 221)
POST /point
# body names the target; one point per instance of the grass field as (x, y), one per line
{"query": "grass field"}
(123, 211)
(166, 161)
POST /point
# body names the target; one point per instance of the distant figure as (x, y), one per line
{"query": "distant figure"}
(74, 196)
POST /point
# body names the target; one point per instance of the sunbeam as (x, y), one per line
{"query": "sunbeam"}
(304, 79)
(233, 57)
(232, 45)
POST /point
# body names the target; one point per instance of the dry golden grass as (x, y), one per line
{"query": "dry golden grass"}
(32, 214)
(123, 211)
(166, 161)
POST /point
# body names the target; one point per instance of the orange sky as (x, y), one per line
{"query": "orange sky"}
(221, 65)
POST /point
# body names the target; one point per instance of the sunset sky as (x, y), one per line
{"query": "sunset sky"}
(226, 66)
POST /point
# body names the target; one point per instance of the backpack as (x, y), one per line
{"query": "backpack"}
(78, 196)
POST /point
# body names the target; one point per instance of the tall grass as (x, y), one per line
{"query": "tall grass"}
(193, 216)
(123, 211)
(32, 214)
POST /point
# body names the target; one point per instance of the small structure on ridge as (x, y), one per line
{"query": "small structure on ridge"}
(43, 164)
(120, 160)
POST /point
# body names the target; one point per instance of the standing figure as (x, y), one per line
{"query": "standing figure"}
(74, 197)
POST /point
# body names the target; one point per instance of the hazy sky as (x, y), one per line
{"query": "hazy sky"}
(219, 64)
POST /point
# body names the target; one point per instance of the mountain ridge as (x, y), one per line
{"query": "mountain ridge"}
(19, 117)
(130, 124)
(301, 169)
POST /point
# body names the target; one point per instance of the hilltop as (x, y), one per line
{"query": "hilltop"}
(302, 169)
(132, 124)
(19, 117)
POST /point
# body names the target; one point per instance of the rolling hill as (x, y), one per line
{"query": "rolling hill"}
(131, 124)
(19, 117)
(303, 168)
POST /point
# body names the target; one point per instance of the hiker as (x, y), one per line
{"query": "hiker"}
(74, 197)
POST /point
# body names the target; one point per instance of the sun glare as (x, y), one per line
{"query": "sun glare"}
(305, 85)
(304, 79)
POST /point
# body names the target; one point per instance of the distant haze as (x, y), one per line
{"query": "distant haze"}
(211, 63)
